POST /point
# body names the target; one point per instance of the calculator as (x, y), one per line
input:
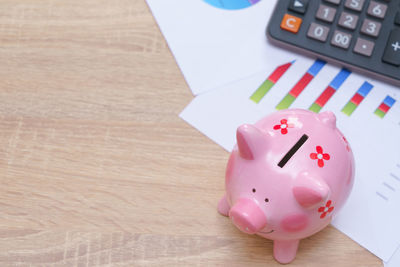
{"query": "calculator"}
(361, 35)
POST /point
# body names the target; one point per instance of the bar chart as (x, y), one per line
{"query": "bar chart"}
(385, 106)
(358, 97)
(335, 85)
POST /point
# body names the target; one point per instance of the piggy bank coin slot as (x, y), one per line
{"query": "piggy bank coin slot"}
(293, 151)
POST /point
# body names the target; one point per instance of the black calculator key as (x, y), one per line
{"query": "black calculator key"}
(377, 9)
(371, 28)
(348, 21)
(299, 6)
(335, 2)
(397, 18)
(392, 50)
(356, 5)
(326, 13)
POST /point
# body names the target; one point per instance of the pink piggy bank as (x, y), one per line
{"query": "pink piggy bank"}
(286, 178)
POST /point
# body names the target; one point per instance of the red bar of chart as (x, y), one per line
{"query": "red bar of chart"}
(264, 88)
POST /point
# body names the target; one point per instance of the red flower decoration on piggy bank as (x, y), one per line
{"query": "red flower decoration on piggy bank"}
(283, 126)
(277, 185)
(320, 156)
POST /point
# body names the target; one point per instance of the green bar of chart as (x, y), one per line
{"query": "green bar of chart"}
(286, 102)
(262, 91)
(349, 108)
(379, 113)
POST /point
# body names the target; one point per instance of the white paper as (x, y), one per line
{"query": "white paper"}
(369, 219)
(394, 261)
(214, 46)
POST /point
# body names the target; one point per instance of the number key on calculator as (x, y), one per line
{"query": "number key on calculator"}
(363, 35)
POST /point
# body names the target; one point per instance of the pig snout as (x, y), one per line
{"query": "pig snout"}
(248, 216)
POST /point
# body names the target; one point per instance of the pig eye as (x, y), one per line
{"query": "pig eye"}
(267, 200)
(254, 190)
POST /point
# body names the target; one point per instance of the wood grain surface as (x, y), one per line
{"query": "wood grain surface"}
(96, 167)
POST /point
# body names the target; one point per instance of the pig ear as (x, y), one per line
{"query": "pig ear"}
(328, 118)
(309, 190)
(250, 141)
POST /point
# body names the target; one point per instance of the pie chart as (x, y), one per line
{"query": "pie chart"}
(232, 4)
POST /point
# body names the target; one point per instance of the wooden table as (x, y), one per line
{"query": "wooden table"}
(96, 167)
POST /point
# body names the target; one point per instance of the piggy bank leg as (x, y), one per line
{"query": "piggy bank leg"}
(285, 250)
(223, 206)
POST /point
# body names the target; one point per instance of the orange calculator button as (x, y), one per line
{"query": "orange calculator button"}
(291, 23)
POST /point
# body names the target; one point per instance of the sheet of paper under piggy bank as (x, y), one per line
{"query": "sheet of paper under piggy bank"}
(286, 177)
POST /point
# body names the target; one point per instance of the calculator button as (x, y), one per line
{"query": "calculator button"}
(291, 23)
(336, 2)
(397, 18)
(377, 10)
(371, 28)
(348, 21)
(356, 5)
(364, 47)
(318, 32)
(299, 6)
(392, 50)
(326, 13)
(341, 39)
